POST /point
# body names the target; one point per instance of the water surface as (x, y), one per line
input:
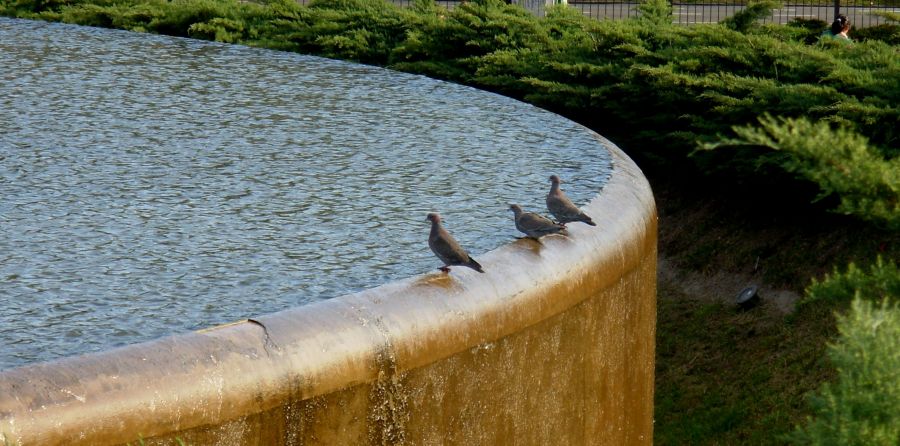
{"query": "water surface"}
(153, 185)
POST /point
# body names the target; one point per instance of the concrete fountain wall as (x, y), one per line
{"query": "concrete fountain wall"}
(553, 345)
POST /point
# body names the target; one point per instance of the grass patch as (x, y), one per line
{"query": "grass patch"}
(729, 377)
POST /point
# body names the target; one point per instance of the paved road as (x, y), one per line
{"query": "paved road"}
(690, 14)
(860, 16)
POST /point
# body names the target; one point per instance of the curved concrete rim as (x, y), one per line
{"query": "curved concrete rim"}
(223, 373)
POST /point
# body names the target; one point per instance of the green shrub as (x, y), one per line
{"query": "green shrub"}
(889, 16)
(885, 32)
(655, 12)
(359, 30)
(863, 406)
(460, 39)
(881, 280)
(226, 21)
(218, 29)
(22, 7)
(788, 32)
(176, 17)
(748, 17)
(840, 161)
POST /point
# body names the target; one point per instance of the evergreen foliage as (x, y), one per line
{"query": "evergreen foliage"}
(839, 161)
(357, 30)
(885, 32)
(863, 406)
(655, 12)
(746, 18)
(890, 16)
(880, 281)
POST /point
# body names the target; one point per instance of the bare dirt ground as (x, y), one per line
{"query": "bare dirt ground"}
(722, 286)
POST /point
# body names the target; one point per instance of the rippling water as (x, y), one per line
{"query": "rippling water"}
(153, 185)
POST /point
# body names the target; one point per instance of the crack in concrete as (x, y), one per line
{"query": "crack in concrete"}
(268, 340)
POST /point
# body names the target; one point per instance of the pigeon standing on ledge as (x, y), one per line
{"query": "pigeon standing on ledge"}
(446, 248)
(562, 208)
(533, 225)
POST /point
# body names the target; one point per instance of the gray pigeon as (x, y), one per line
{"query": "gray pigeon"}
(534, 225)
(562, 208)
(446, 248)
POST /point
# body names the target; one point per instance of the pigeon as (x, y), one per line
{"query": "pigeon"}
(562, 208)
(447, 249)
(533, 225)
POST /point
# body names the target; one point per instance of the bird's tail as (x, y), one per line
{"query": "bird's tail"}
(475, 265)
(588, 220)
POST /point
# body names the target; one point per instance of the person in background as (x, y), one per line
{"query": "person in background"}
(839, 29)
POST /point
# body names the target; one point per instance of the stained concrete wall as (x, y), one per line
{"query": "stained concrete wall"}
(553, 345)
